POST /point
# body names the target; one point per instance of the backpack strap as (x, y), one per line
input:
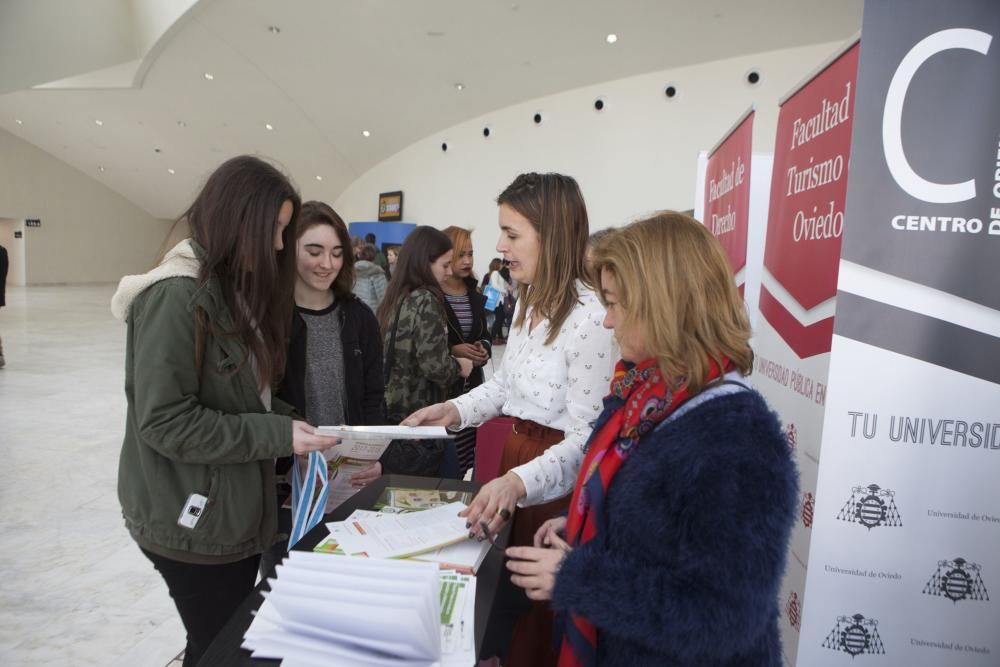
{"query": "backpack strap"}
(391, 353)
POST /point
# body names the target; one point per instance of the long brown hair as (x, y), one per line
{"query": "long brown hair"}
(677, 291)
(320, 213)
(554, 206)
(424, 246)
(234, 219)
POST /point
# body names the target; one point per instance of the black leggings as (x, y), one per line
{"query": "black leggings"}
(205, 596)
(499, 322)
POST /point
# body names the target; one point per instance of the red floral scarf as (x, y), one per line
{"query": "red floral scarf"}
(644, 400)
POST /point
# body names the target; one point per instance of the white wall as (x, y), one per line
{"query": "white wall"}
(89, 233)
(636, 156)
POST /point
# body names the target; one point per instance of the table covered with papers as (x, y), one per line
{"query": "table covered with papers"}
(324, 606)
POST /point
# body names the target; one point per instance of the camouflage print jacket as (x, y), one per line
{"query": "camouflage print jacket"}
(419, 371)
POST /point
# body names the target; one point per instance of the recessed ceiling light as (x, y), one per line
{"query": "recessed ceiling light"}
(19, 121)
(181, 123)
(273, 29)
(171, 171)
(269, 126)
(100, 169)
(209, 76)
(366, 133)
(459, 87)
(99, 122)
(318, 177)
(611, 38)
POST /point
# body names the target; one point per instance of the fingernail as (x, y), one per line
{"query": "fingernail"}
(471, 534)
(468, 524)
(480, 538)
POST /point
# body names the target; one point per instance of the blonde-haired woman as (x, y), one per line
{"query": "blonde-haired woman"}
(468, 335)
(555, 370)
(675, 543)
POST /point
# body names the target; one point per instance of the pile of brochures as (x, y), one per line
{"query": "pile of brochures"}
(435, 535)
(365, 612)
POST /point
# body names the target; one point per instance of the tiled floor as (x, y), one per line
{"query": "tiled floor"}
(74, 588)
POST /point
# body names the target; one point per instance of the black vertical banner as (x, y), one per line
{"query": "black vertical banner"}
(904, 559)
(923, 207)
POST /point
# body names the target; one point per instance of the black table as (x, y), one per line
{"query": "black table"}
(225, 651)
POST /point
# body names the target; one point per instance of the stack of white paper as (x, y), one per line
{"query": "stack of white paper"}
(403, 535)
(345, 611)
(464, 556)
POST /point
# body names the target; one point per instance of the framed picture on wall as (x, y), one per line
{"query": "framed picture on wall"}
(390, 206)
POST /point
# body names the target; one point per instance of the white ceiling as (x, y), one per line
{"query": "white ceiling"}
(387, 66)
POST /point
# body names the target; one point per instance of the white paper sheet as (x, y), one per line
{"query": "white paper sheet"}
(358, 433)
(403, 535)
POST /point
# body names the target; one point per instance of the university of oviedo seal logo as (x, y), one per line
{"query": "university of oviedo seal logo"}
(855, 635)
(808, 505)
(793, 610)
(957, 580)
(871, 506)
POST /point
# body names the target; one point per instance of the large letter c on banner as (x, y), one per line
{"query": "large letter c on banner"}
(892, 117)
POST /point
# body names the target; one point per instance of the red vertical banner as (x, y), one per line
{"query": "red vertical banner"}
(806, 214)
(727, 195)
(798, 291)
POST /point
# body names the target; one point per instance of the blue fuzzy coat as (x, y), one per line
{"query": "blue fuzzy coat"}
(690, 549)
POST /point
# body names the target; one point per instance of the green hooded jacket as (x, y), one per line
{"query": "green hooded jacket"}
(189, 433)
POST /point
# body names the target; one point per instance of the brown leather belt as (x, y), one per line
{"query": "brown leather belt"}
(532, 429)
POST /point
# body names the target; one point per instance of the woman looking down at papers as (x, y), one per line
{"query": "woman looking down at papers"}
(554, 372)
(675, 543)
(419, 366)
(334, 372)
(205, 344)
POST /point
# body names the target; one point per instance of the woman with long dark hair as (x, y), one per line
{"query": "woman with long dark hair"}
(335, 356)
(334, 371)
(206, 343)
(419, 366)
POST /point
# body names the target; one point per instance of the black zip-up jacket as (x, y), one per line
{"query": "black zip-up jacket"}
(362, 344)
(479, 333)
(361, 341)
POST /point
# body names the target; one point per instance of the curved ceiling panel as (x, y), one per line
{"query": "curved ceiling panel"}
(320, 73)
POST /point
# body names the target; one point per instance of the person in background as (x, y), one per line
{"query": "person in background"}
(468, 334)
(4, 267)
(391, 256)
(357, 243)
(334, 373)
(419, 367)
(370, 282)
(495, 265)
(490, 314)
(556, 368)
(379, 259)
(675, 544)
(501, 281)
(206, 342)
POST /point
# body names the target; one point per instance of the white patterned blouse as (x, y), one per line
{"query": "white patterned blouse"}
(561, 386)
